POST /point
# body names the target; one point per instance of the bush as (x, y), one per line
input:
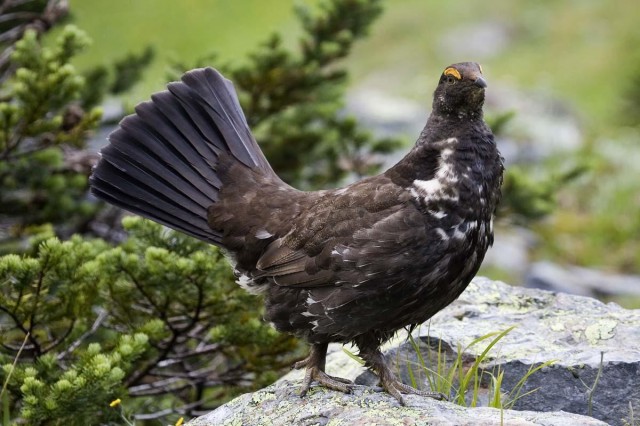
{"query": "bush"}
(43, 179)
(157, 321)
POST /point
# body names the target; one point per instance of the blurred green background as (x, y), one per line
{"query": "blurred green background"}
(584, 51)
(581, 57)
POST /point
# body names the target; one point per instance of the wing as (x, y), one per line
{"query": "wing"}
(361, 229)
(353, 236)
(289, 267)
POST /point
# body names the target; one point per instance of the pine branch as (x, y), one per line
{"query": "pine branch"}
(40, 22)
(57, 341)
(102, 316)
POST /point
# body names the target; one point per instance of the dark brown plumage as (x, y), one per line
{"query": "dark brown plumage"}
(354, 264)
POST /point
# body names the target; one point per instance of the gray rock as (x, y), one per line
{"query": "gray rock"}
(542, 127)
(572, 330)
(280, 405)
(386, 115)
(510, 252)
(581, 281)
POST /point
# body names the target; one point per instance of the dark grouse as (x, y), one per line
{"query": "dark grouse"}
(354, 264)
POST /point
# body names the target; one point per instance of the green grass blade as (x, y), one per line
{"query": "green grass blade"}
(423, 366)
(5, 410)
(433, 381)
(517, 389)
(473, 371)
(495, 396)
(353, 356)
(595, 383)
(412, 378)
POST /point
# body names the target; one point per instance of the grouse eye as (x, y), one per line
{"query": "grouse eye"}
(452, 75)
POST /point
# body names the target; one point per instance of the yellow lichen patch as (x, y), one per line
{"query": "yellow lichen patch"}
(601, 330)
(453, 72)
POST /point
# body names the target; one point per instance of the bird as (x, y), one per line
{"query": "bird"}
(355, 264)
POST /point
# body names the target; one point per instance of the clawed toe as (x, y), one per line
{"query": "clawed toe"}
(330, 382)
(341, 380)
(314, 364)
(396, 388)
(404, 388)
(300, 364)
(389, 382)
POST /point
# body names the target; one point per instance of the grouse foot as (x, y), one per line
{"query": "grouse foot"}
(315, 364)
(396, 388)
(389, 382)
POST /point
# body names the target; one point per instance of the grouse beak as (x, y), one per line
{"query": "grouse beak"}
(480, 82)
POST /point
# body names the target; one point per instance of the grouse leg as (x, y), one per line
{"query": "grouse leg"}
(315, 364)
(374, 359)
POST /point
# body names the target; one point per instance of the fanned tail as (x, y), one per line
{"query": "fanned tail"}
(162, 161)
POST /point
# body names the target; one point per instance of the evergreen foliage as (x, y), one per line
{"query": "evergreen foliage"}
(525, 198)
(18, 16)
(115, 79)
(630, 112)
(293, 100)
(40, 127)
(528, 199)
(159, 318)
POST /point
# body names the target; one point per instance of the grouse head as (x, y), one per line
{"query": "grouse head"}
(460, 91)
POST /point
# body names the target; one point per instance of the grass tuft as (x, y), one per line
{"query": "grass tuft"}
(464, 383)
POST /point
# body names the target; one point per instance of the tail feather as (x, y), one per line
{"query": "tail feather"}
(152, 204)
(199, 119)
(204, 156)
(172, 112)
(162, 162)
(160, 155)
(170, 184)
(212, 122)
(224, 108)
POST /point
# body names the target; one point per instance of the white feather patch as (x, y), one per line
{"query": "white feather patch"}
(247, 284)
(442, 186)
(458, 234)
(442, 234)
(263, 234)
(428, 186)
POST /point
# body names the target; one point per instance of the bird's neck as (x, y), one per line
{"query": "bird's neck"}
(455, 124)
(470, 134)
